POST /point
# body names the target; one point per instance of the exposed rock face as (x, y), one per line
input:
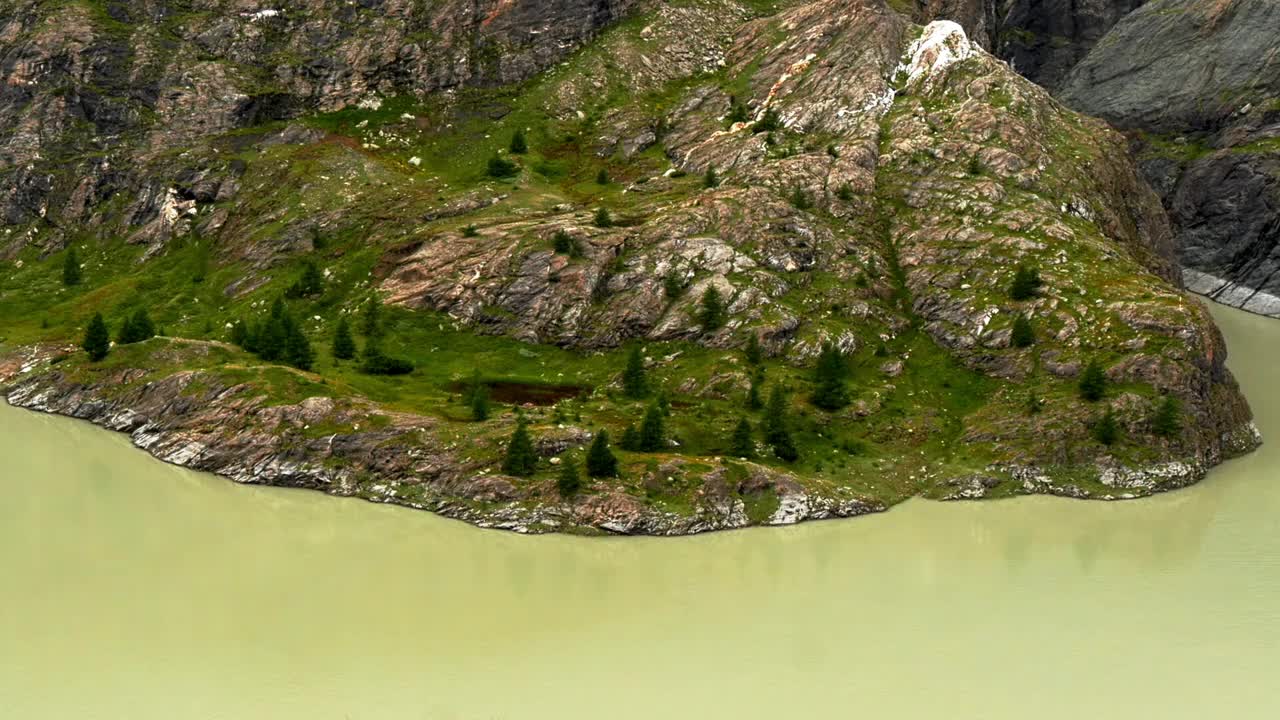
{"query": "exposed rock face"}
(1202, 79)
(1045, 39)
(106, 86)
(1042, 39)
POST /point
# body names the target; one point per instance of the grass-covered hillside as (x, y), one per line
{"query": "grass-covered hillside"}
(796, 262)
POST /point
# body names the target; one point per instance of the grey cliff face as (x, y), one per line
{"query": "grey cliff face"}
(1044, 39)
(1200, 82)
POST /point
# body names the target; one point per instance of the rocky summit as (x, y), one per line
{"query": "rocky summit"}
(628, 267)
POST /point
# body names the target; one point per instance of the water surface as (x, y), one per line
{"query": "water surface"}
(131, 589)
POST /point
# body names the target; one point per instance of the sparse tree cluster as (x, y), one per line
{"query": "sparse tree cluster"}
(136, 328)
(276, 338)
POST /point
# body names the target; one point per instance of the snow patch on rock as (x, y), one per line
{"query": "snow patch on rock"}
(942, 44)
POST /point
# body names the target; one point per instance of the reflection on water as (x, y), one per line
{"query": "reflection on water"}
(134, 589)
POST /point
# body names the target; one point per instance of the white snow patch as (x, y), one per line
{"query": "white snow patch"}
(942, 44)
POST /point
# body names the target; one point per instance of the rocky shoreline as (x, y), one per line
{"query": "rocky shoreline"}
(400, 465)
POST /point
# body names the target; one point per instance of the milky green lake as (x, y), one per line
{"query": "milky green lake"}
(130, 589)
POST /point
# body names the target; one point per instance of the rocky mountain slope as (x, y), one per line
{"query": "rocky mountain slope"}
(838, 175)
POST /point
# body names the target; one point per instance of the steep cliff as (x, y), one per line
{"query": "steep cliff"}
(838, 176)
(1201, 81)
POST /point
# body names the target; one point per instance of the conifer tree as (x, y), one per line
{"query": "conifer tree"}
(711, 315)
(521, 459)
(344, 346)
(136, 328)
(673, 285)
(97, 339)
(664, 403)
(602, 177)
(743, 444)
(710, 179)
(564, 244)
(297, 348)
(569, 482)
(1167, 420)
(653, 431)
(240, 335)
(601, 461)
(768, 122)
(777, 430)
(830, 374)
(71, 273)
(754, 401)
(479, 399)
(1106, 430)
(311, 283)
(273, 335)
(1023, 334)
(519, 145)
(635, 382)
(603, 219)
(371, 319)
(755, 353)
(630, 439)
(1093, 382)
(1026, 283)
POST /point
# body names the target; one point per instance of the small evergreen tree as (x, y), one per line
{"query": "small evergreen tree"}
(1023, 334)
(344, 346)
(755, 353)
(97, 339)
(71, 273)
(1167, 419)
(521, 459)
(297, 348)
(601, 461)
(738, 113)
(519, 145)
(569, 482)
(240, 335)
(801, 199)
(371, 319)
(711, 314)
(377, 362)
(768, 122)
(653, 431)
(743, 444)
(635, 382)
(500, 168)
(564, 244)
(136, 328)
(630, 439)
(602, 177)
(470, 231)
(754, 401)
(310, 284)
(673, 285)
(784, 447)
(479, 400)
(710, 179)
(1034, 403)
(1026, 283)
(664, 403)
(603, 219)
(1093, 382)
(273, 336)
(777, 430)
(829, 375)
(1106, 430)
